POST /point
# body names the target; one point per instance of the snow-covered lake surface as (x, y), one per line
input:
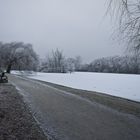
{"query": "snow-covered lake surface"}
(121, 85)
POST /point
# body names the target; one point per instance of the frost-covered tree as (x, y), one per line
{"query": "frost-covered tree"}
(127, 13)
(78, 63)
(116, 64)
(55, 62)
(71, 64)
(17, 55)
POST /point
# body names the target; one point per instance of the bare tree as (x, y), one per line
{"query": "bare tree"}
(128, 13)
(55, 62)
(78, 63)
(71, 64)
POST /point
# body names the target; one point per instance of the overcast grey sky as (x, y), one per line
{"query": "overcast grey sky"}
(77, 27)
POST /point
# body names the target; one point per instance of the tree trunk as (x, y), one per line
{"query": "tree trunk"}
(9, 68)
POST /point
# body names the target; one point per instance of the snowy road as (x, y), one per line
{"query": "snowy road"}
(68, 117)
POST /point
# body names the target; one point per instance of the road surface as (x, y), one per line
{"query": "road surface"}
(64, 116)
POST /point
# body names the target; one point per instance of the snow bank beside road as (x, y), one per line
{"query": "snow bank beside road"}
(121, 85)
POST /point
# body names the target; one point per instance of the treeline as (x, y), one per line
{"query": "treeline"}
(21, 56)
(116, 64)
(56, 62)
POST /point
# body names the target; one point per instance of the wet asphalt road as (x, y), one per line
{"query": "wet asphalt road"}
(64, 116)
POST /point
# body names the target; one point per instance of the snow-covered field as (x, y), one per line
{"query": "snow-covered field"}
(121, 85)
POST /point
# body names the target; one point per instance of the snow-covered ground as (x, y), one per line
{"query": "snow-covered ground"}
(121, 85)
